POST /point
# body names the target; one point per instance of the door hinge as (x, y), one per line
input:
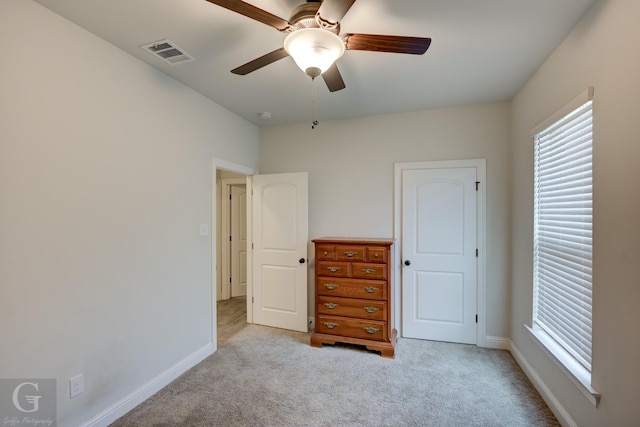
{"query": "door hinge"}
(476, 253)
(477, 185)
(229, 279)
(476, 318)
(230, 238)
(252, 300)
(229, 196)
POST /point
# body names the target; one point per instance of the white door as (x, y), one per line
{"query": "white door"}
(279, 211)
(238, 240)
(439, 277)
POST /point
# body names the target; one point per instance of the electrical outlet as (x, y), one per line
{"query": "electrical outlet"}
(204, 229)
(76, 386)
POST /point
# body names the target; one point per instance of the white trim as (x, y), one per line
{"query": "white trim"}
(586, 95)
(233, 167)
(216, 224)
(578, 375)
(499, 343)
(127, 403)
(558, 410)
(249, 184)
(482, 340)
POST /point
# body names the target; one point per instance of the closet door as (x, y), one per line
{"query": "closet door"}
(439, 277)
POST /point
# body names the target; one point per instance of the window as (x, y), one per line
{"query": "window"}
(562, 241)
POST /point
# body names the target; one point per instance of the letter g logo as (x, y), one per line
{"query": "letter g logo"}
(33, 400)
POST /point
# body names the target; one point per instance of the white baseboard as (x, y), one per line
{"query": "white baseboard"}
(124, 405)
(558, 410)
(500, 343)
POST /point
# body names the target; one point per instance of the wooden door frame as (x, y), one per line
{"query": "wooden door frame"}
(480, 165)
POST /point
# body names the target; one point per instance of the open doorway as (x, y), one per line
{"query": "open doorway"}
(228, 315)
(278, 250)
(231, 227)
(232, 236)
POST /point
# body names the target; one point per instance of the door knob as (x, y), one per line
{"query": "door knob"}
(407, 262)
(301, 260)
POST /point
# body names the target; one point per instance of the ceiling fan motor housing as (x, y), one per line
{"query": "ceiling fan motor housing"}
(306, 16)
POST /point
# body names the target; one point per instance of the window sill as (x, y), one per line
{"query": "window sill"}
(574, 370)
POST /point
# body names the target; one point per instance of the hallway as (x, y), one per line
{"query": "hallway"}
(232, 318)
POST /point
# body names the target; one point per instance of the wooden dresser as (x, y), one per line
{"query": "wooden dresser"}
(354, 293)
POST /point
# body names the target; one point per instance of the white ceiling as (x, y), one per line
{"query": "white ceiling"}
(482, 51)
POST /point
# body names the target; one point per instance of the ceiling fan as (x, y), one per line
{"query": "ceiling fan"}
(314, 41)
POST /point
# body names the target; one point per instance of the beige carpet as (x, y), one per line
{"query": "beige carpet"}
(270, 377)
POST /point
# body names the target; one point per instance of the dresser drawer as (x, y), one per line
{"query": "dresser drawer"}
(333, 268)
(352, 288)
(376, 254)
(325, 252)
(349, 327)
(350, 253)
(351, 307)
(369, 271)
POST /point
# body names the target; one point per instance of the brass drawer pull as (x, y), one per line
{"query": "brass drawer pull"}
(351, 254)
(371, 289)
(330, 286)
(370, 309)
(333, 269)
(370, 330)
(368, 270)
(332, 325)
(376, 255)
(330, 305)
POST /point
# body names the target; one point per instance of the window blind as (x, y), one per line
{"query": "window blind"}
(563, 217)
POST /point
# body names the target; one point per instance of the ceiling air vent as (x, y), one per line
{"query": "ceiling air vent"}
(168, 52)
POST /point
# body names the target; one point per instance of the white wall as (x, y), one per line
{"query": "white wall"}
(601, 51)
(105, 176)
(351, 164)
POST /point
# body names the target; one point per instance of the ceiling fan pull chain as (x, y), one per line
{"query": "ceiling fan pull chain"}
(314, 103)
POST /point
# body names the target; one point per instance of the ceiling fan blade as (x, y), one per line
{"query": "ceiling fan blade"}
(332, 11)
(394, 44)
(258, 63)
(333, 79)
(253, 12)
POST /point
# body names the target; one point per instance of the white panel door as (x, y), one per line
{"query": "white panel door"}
(439, 277)
(279, 233)
(238, 240)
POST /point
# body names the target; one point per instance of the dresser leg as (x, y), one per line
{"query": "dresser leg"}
(389, 354)
(317, 341)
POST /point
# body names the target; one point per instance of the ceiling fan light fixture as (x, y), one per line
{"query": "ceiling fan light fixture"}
(314, 50)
